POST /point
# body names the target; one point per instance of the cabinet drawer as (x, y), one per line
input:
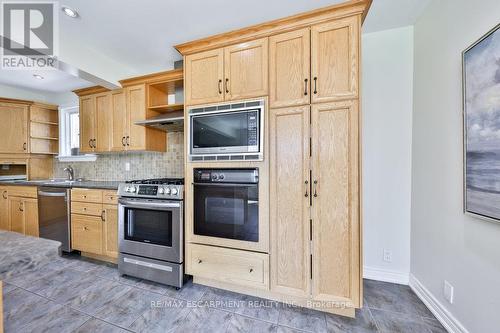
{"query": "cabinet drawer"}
(23, 191)
(110, 198)
(233, 266)
(86, 195)
(86, 233)
(86, 208)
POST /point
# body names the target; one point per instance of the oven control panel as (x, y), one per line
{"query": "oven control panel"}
(147, 190)
(240, 176)
(159, 191)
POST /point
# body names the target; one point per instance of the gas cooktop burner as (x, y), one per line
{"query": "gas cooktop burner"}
(158, 181)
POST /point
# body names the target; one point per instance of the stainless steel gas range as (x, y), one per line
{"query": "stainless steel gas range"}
(151, 230)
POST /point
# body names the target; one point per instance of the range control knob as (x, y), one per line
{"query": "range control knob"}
(160, 190)
(132, 189)
(127, 189)
(174, 191)
(167, 190)
(214, 176)
(221, 176)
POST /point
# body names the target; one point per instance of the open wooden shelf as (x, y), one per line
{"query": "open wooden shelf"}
(167, 108)
(44, 138)
(45, 122)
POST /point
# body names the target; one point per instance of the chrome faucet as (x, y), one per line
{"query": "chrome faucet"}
(71, 173)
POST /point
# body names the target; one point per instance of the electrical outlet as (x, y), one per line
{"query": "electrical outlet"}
(448, 291)
(127, 166)
(387, 255)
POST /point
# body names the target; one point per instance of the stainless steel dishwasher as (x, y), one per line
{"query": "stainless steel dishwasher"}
(54, 215)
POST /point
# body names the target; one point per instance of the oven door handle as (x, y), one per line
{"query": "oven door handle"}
(227, 184)
(150, 205)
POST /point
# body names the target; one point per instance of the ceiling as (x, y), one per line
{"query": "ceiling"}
(139, 35)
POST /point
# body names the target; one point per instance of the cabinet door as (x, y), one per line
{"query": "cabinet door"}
(136, 109)
(31, 217)
(246, 69)
(119, 120)
(203, 77)
(86, 233)
(103, 122)
(290, 200)
(335, 204)
(14, 128)
(87, 123)
(289, 76)
(110, 231)
(335, 56)
(16, 214)
(4, 208)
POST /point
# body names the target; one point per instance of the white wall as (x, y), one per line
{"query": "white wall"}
(387, 120)
(446, 244)
(7, 91)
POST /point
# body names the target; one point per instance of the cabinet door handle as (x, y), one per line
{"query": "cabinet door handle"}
(90, 143)
(307, 188)
(85, 228)
(21, 208)
(103, 216)
(200, 261)
(128, 140)
(24, 146)
(227, 86)
(305, 86)
(315, 188)
(220, 87)
(123, 141)
(315, 85)
(95, 143)
(251, 270)
(4, 194)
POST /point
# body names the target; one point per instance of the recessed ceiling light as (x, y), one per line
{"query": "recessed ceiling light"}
(39, 77)
(70, 12)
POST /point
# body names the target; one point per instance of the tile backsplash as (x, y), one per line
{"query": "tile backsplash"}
(143, 165)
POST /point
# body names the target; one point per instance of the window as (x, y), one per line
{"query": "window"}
(69, 136)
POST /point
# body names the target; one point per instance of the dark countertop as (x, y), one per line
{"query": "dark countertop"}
(104, 185)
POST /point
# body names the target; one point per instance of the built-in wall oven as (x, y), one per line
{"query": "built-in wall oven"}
(226, 203)
(151, 242)
(225, 132)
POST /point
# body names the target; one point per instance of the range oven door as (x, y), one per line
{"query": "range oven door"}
(227, 210)
(151, 228)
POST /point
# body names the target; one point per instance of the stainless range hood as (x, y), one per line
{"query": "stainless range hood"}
(169, 122)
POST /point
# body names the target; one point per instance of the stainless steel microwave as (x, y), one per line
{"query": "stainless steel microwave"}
(227, 132)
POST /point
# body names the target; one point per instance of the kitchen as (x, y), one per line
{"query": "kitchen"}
(234, 178)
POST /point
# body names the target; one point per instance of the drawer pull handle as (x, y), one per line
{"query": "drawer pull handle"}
(85, 228)
(103, 217)
(200, 261)
(251, 270)
(4, 194)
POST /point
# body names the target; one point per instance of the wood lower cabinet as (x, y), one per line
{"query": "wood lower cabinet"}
(290, 200)
(335, 60)
(315, 221)
(204, 75)
(4, 208)
(110, 231)
(94, 222)
(23, 215)
(335, 205)
(289, 68)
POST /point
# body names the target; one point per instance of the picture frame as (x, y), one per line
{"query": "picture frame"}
(481, 127)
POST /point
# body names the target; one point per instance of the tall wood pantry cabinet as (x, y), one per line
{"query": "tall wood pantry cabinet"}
(313, 131)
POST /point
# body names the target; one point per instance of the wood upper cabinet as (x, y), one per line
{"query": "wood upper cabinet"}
(335, 204)
(289, 68)
(103, 122)
(136, 108)
(204, 74)
(14, 128)
(4, 208)
(87, 124)
(110, 231)
(246, 69)
(335, 60)
(289, 206)
(119, 120)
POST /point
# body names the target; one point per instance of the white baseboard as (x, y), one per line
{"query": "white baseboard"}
(386, 275)
(450, 323)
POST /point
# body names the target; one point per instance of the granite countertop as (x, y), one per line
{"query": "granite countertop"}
(105, 185)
